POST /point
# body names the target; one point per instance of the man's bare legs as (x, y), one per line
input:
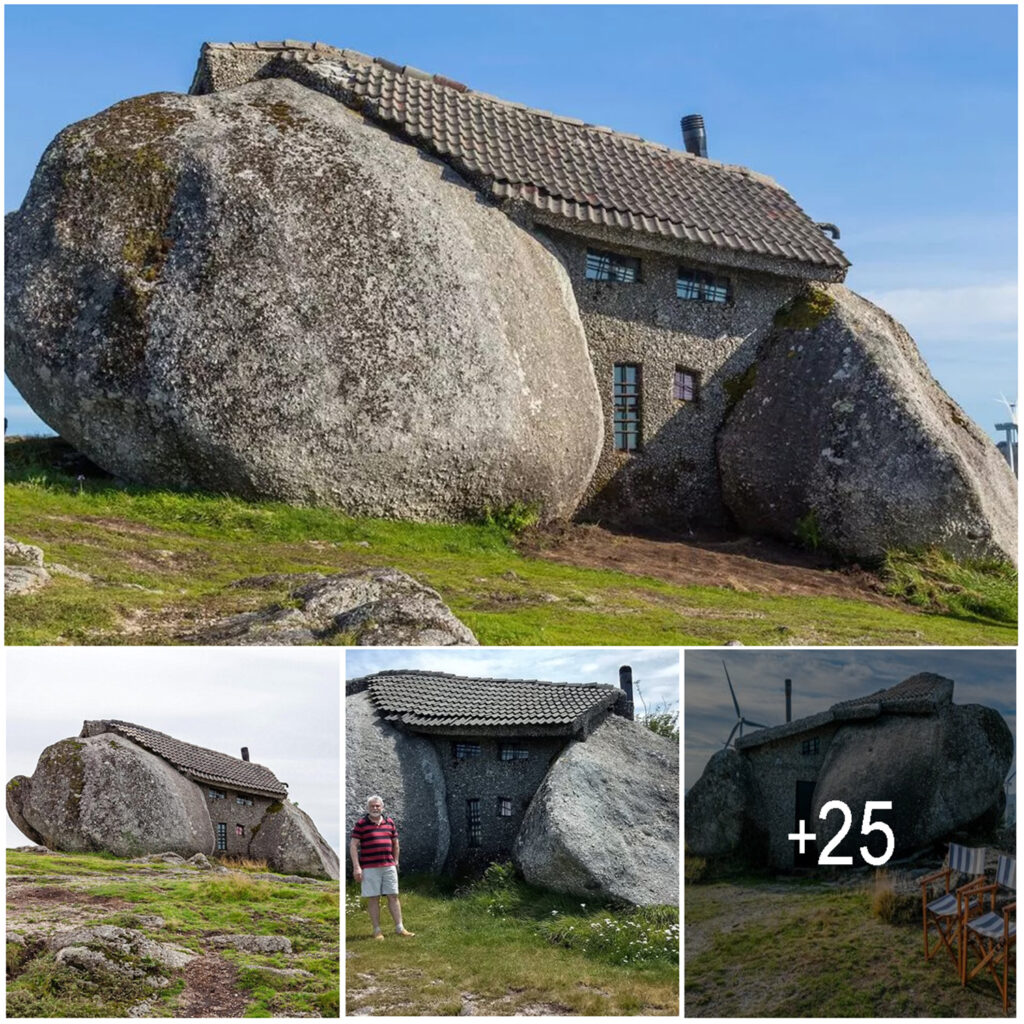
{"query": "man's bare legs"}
(373, 906)
(396, 915)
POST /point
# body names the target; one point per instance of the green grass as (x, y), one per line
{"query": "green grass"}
(510, 949)
(192, 906)
(758, 949)
(164, 561)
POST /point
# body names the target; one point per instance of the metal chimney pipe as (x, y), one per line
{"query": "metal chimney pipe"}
(624, 705)
(245, 753)
(694, 137)
(789, 700)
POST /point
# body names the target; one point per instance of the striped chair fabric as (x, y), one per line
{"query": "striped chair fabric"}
(1006, 872)
(966, 860)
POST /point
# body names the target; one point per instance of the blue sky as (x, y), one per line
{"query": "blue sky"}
(896, 123)
(820, 679)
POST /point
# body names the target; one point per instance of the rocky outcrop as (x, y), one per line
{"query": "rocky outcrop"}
(369, 608)
(845, 441)
(259, 292)
(405, 770)
(605, 821)
(288, 840)
(941, 772)
(106, 793)
(107, 947)
(717, 805)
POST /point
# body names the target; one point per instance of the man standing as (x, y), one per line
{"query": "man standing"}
(374, 849)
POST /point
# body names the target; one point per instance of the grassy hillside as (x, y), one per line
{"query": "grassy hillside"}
(181, 906)
(163, 564)
(501, 948)
(787, 948)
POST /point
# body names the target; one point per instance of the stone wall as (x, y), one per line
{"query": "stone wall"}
(487, 778)
(776, 768)
(233, 814)
(672, 480)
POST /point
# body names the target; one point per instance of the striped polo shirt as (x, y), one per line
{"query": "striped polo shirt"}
(375, 849)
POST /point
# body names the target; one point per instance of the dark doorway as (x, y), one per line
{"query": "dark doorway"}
(804, 801)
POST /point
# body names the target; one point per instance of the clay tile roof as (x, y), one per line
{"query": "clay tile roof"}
(581, 173)
(443, 703)
(201, 764)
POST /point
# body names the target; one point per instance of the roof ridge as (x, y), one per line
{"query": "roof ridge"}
(325, 51)
(474, 679)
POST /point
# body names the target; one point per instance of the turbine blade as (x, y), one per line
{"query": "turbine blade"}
(734, 728)
(728, 679)
(756, 725)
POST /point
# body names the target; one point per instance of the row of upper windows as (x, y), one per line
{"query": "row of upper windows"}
(626, 384)
(218, 794)
(691, 285)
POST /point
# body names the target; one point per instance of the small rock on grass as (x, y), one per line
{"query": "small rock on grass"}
(16, 553)
(23, 579)
(252, 943)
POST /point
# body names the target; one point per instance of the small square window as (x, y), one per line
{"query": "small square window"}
(473, 822)
(504, 807)
(809, 746)
(513, 752)
(463, 750)
(611, 266)
(700, 286)
(216, 794)
(243, 801)
(684, 385)
(239, 830)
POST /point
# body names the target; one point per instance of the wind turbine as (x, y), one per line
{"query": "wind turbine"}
(1010, 430)
(740, 720)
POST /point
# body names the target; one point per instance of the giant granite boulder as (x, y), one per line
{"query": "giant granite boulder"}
(257, 291)
(106, 793)
(942, 772)
(288, 840)
(605, 821)
(717, 805)
(844, 438)
(404, 769)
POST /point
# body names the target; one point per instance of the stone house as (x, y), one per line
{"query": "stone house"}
(495, 741)
(942, 766)
(238, 793)
(678, 262)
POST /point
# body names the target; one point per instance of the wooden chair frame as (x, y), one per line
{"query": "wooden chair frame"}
(949, 928)
(991, 950)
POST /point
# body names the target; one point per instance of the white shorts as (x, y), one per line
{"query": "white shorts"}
(380, 881)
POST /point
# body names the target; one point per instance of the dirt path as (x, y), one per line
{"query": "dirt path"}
(211, 989)
(739, 563)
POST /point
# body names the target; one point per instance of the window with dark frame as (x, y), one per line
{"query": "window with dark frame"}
(222, 835)
(612, 266)
(513, 752)
(809, 746)
(473, 822)
(700, 286)
(216, 794)
(460, 751)
(626, 407)
(244, 801)
(239, 830)
(684, 385)
(504, 807)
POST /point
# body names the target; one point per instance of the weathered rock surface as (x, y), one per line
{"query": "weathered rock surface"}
(23, 579)
(716, 805)
(941, 773)
(256, 291)
(405, 769)
(16, 553)
(371, 607)
(106, 793)
(252, 943)
(845, 433)
(606, 818)
(79, 947)
(289, 840)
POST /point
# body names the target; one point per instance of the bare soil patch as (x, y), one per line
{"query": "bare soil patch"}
(65, 897)
(211, 989)
(744, 564)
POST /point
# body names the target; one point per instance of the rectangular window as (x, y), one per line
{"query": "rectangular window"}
(243, 801)
(473, 821)
(809, 746)
(513, 752)
(222, 835)
(464, 750)
(700, 286)
(215, 794)
(611, 266)
(504, 807)
(239, 830)
(684, 385)
(626, 404)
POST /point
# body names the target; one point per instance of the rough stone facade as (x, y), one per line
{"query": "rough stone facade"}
(672, 479)
(240, 814)
(488, 779)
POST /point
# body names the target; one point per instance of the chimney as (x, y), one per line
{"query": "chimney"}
(245, 753)
(789, 700)
(694, 137)
(624, 705)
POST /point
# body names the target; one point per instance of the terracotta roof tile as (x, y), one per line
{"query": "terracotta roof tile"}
(201, 764)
